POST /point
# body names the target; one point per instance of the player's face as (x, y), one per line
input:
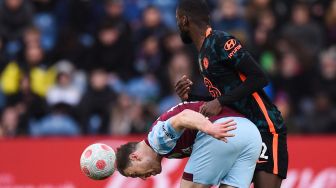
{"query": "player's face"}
(144, 167)
(182, 24)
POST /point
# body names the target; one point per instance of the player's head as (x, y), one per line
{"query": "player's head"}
(136, 159)
(191, 12)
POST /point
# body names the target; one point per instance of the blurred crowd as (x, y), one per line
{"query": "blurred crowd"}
(88, 67)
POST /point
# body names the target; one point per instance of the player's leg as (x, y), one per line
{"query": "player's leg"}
(241, 173)
(273, 161)
(263, 179)
(190, 184)
(210, 161)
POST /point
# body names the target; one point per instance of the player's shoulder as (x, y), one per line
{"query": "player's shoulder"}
(225, 42)
(222, 36)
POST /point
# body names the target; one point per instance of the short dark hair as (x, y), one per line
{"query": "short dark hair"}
(198, 10)
(122, 156)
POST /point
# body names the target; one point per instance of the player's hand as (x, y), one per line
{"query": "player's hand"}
(211, 108)
(220, 131)
(183, 87)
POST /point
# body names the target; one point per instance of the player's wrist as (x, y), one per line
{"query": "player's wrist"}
(205, 129)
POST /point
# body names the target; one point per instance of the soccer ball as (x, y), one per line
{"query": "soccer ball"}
(97, 161)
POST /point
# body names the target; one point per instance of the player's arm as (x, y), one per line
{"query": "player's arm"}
(253, 77)
(189, 119)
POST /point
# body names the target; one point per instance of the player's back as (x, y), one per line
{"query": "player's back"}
(218, 58)
(184, 143)
(233, 163)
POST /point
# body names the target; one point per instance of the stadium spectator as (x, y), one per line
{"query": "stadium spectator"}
(254, 9)
(149, 55)
(113, 49)
(30, 106)
(2, 134)
(229, 19)
(167, 10)
(33, 64)
(303, 31)
(144, 89)
(46, 23)
(41, 6)
(330, 20)
(83, 16)
(9, 122)
(94, 108)
(15, 17)
(291, 79)
(57, 123)
(152, 25)
(32, 37)
(179, 65)
(114, 10)
(114, 13)
(325, 78)
(64, 91)
(264, 36)
(2, 55)
(171, 44)
(69, 46)
(322, 117)
(120, 123)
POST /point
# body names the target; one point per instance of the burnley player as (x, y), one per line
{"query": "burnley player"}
(234, 79)
(214, 159)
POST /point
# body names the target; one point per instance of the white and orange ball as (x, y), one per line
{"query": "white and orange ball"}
(97, 161)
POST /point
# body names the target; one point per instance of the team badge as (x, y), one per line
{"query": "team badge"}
(206, 63)
(230, 44)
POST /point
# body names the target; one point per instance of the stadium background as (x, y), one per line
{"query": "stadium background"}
(74, 72)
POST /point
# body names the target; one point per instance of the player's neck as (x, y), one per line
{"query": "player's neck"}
(146, 148)
(198, 35)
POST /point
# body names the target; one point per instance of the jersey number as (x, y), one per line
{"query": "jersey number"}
(214, 92)
(263, 151)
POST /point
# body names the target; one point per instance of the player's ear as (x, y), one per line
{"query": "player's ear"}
(184, 20)
(134, 157)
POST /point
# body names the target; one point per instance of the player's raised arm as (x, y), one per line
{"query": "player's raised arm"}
(193, 120)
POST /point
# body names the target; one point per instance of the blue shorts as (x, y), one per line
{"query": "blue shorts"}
(214, 162)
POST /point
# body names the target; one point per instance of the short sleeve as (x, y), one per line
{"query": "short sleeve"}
(229, 50)
(163, 137)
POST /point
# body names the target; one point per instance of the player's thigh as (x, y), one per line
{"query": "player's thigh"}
(210, 160)
(190, 184)
(241, 173)
(272, 164)
(274, 155)
(264, 179)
